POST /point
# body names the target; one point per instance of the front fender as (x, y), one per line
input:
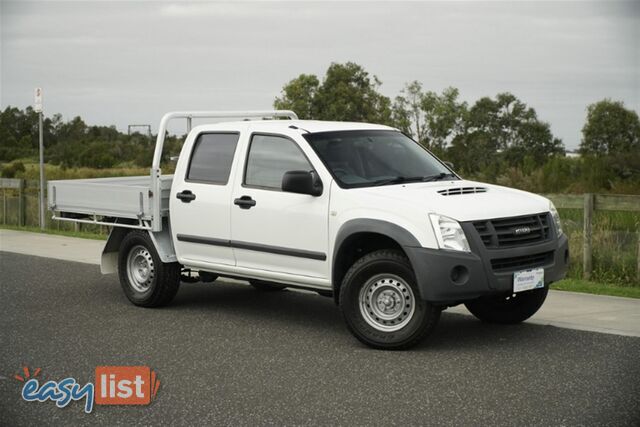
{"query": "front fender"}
(400, 235)
(365, 225)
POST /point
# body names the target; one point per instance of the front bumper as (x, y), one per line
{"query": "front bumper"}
(447, 277)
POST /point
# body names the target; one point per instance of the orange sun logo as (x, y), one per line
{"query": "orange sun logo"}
(26, 374)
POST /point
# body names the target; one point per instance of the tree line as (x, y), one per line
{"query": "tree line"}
(499, 139)
(72, 143)
(496, 139)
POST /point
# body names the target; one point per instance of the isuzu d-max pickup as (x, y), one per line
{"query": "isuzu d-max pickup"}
(359, 212)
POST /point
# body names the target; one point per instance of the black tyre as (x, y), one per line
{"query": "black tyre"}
(508, 309)
(263, 286)
(381, 303)
(145, 279)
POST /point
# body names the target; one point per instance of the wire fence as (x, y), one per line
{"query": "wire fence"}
(603, 229)
(20, 208)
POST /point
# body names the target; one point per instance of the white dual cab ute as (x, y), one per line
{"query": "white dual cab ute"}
(359, 212)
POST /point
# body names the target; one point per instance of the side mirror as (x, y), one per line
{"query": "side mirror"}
(449, 165)
(302, 182)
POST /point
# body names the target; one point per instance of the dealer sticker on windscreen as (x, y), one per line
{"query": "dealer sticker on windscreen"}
(528, 279)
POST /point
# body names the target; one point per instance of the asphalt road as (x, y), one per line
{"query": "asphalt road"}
(227, 354)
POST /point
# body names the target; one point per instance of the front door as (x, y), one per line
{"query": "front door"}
(274, 230)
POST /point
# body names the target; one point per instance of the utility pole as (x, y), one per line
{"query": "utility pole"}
(38, 109)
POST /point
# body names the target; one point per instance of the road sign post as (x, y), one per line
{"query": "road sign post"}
(37, 106)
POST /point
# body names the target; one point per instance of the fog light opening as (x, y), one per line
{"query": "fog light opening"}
(459, 275)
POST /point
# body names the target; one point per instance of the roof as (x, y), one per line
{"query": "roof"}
(308, 125)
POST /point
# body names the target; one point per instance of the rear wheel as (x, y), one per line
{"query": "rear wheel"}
(381, 303)
(266, 286)
(508, 309)
(145, 279)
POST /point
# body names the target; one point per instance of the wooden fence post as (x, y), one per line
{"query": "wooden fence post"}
(587, 265)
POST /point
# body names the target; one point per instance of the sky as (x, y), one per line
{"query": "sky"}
(124, 62)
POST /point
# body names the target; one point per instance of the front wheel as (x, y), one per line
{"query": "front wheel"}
(381, 303)
(508, 309)
(145, 279)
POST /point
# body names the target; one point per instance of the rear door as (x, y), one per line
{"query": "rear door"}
(200, 199)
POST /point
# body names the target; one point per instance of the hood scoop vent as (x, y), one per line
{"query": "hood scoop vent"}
(462, 190)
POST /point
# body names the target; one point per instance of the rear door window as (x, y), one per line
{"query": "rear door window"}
(211, 158)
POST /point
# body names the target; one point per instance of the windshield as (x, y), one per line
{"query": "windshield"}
(363, 158)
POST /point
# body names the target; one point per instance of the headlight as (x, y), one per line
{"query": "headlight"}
(556, 218)
(449, 233)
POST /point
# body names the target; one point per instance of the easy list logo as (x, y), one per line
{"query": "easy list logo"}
(114, 385)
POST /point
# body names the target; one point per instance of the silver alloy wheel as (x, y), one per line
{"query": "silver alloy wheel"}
(387, 303)
(140, 269)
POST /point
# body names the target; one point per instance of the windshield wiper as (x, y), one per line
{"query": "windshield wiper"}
(403, 179)
(439, 177)
(399, 180)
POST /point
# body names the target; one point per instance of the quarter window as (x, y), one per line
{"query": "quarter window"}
(212, 157)
(269, 158)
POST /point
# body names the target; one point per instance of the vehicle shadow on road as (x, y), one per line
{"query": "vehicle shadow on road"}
(314, 314)
(306, 309)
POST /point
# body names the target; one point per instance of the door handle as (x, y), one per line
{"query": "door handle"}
(186, 196)
(245, 202)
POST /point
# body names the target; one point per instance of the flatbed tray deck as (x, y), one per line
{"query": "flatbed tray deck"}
(128, 198)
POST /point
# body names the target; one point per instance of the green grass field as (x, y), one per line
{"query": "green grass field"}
(615, 245)
(52, 172)
(584, 286)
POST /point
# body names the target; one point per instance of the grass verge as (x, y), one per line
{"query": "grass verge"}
(584, 286)
(81, 234)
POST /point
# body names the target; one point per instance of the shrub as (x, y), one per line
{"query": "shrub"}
(12, 169)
